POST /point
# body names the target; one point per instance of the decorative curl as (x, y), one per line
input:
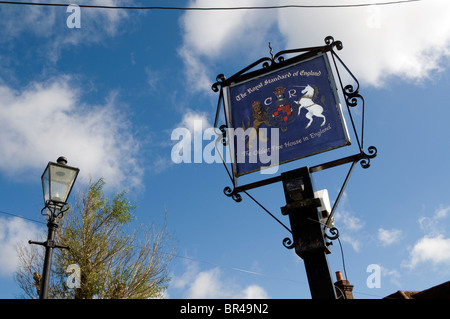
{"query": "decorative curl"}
(220, 79)
(351, 95)
(53, 212)
(223, 130)
(46, 213)
(372, 151)
(348, 89)
(228, 191)
(329, 40)
(365, 162)
(334, 232)
(288, 243)
(231, 193)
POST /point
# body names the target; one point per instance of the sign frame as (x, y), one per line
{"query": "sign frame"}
(274, 63)
(261, 100)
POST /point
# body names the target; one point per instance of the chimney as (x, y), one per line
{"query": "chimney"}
(343, 287)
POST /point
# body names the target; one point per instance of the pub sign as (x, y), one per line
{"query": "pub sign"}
(284, 115)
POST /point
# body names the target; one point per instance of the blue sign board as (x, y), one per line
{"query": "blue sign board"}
(284, 115)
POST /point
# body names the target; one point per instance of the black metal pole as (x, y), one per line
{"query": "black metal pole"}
(307, 231)
(49, 245)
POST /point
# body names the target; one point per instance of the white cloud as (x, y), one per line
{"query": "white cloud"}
(434, 247)
(434, 250)
(106, 20)
(350, 226)
(38, 21)
(194, 121)
(410, 41)
(15, 232)
(254, 292)
(46, 120)
(188, 136)
(196, 71)
(348, 220)
(211, 35)
(211, 284)
(48, 24)
(433, 226)
(206, 284)
(398, 40)
(442, 212)
(183, 280)
(388, 237)
(186, 140)
(393, 275)
(352, 241)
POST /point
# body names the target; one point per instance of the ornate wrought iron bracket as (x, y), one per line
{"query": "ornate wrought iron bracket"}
(53, 212)
(277, 60)
(233, 193)
(334, 233)
(288, 243)
(351, 96)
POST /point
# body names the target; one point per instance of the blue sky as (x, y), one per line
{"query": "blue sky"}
(108, 96)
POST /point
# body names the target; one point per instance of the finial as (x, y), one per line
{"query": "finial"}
(62, 160)
(271, 51)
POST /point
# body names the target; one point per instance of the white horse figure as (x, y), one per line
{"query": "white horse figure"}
(307, 102)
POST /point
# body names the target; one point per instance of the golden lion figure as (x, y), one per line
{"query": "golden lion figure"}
(259, 115)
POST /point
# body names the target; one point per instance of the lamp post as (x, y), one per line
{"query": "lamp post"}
(57, 182)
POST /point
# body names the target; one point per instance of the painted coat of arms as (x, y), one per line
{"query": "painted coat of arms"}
(300, 101)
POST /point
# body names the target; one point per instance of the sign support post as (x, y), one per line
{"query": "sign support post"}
(307, 231)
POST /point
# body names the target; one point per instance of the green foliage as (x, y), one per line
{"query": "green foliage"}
(116, 260)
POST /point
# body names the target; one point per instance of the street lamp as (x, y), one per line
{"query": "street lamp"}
(57, 182)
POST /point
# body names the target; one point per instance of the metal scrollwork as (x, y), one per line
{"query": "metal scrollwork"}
(352, 95)
(267, 62)
(329, 40)
(365, 161)
(232, 193)
(273, 59)
(220, 79)
(288, 243)
(334, 233)
(223, 130)
(53, 212)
